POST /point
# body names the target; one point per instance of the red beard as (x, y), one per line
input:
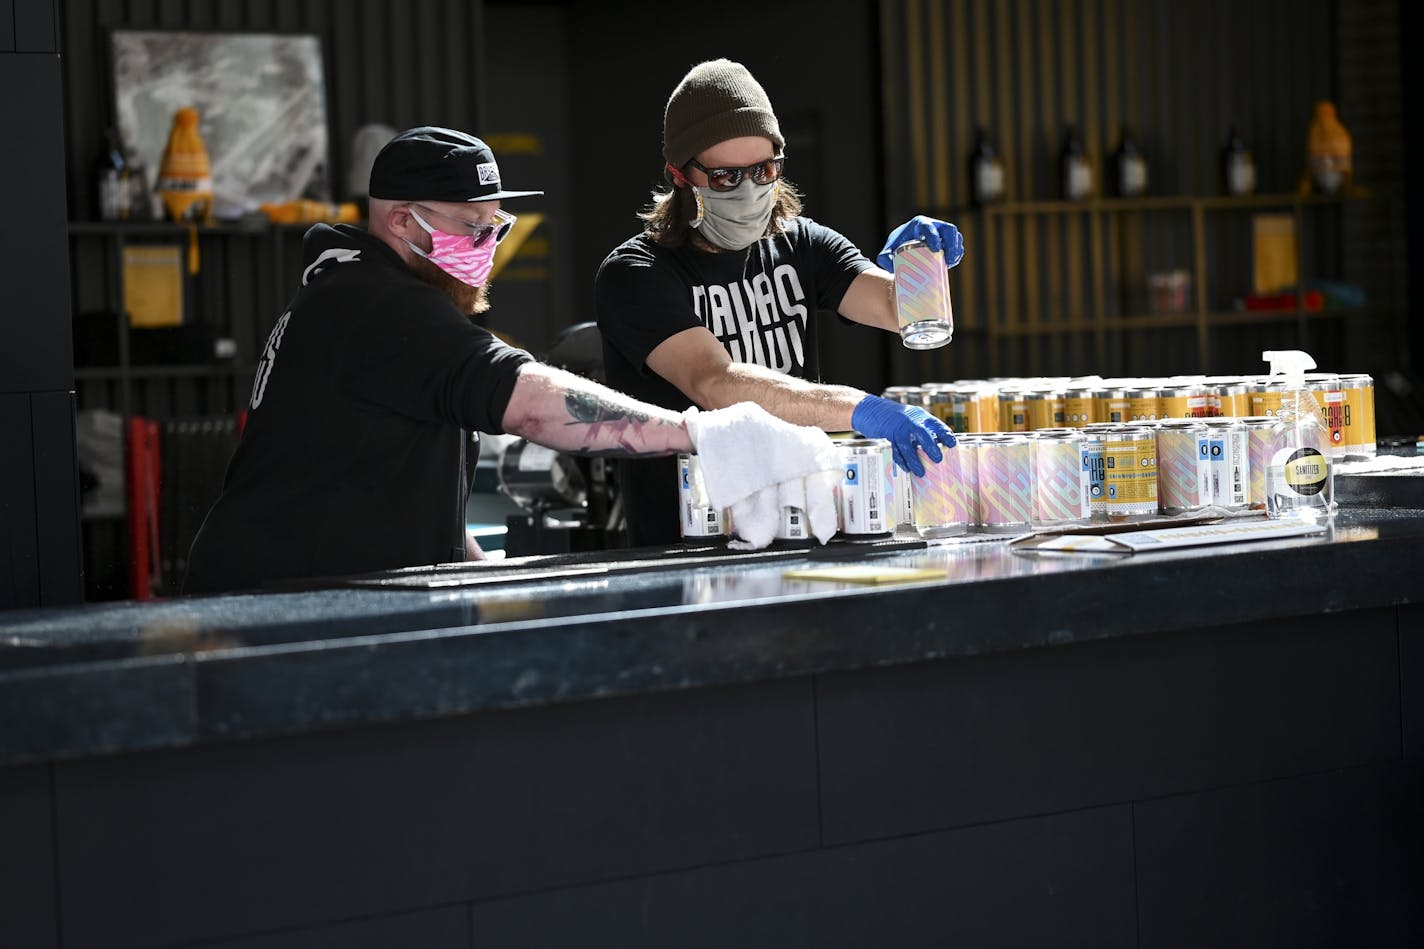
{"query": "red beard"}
(470, 300)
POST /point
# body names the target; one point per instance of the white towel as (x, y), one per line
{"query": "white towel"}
(753, 463)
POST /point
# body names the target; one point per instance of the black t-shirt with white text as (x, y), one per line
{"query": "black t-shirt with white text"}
(758, 302)
(350, 458)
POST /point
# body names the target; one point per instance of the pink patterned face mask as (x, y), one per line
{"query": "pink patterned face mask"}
(468, 257)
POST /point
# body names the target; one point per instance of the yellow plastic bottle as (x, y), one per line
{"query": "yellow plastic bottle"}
(1327, 152)
(185, 175)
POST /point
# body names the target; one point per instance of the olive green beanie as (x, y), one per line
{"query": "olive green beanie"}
(715, 101)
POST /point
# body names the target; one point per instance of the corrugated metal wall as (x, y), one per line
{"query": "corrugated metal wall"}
(1178, 76)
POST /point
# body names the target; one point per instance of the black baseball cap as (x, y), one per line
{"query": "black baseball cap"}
(435, 164)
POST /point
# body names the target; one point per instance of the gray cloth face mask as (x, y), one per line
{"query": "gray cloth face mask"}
(736, 219)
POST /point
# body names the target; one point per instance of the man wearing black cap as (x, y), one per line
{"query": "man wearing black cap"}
(712, 303)
(355, 456)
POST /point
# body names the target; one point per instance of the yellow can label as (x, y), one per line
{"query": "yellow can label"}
(1130, 475)
(1266, 403)
(1118, 410)
(1332, 406)
(1013, 415)
(1142, 408)
(1078, 410)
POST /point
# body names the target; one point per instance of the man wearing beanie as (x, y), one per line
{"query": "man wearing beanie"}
(712, 303)
(359, 445)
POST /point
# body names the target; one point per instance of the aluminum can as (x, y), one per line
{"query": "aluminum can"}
(1080, 407)
(939, 399)
(1229, 461)
(1231, 400)
(1186, 401)
(1130, 472)
(1113, 406)
(1331, 399)
(1142, 405)
(902, 508)
(863, 493)
(899, 394)
(941, 504)
(922, 304)
(1183, 471)
(1359, 414)
(1005, 483)
(1013, 411)
(1060, 478)
(963, 410)
(1045, 409)
(1265, 397)
(792, 527)
(700, 521)
(1261, 446)
(1093, 467)
(969, 473)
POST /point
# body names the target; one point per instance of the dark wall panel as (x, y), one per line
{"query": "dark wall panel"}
(7, 26)
(56, 499)
(1064, 881)
(35, 353)
(329, 827)
(1313, 861)
(447, 928)
(953, 743)
(27, 907)
(35, 26)
(19, 541)
(1411, 678)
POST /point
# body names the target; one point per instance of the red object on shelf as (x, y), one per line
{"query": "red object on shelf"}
(144, 465)
(1314, 301)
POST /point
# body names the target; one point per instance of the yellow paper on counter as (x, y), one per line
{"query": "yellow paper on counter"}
(865, 574)
(153, 284)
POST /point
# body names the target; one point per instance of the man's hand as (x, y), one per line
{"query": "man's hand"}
(937, 235)
(907, 427)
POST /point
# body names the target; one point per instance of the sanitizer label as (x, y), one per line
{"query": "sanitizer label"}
(1305, 470)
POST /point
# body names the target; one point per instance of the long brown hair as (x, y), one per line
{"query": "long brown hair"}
(668, 218)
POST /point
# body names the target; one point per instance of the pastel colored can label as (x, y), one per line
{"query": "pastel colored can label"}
(1060, 481)
(921, 285)
(1261, 447)
(1005, 483)
(1183, 481)
(941, 505)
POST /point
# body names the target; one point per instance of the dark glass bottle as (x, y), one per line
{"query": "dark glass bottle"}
(1238, 166)
(111, 183)
(1129, 168)
(986, 171)
(1075, 171)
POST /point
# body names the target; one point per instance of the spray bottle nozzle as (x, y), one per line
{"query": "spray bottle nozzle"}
(1290, 363)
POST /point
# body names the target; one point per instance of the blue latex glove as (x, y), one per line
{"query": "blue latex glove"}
(937, 235)
(907, 427)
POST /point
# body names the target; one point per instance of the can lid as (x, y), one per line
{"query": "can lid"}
(1223, 421)
(1188, 423)
(863, 442)
(1058, 434)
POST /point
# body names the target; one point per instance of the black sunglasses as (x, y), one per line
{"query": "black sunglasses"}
(763, 172)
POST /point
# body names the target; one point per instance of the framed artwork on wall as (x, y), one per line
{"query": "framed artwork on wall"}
(261, 101)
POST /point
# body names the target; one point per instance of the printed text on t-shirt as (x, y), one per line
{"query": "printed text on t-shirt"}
(761, 320)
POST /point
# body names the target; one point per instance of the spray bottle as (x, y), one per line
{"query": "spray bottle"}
(1300, 482)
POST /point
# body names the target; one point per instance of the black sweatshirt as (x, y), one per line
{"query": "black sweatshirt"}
(350, 460)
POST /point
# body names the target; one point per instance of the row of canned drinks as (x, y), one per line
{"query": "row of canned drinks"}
(1010, 482)
(1346, 400)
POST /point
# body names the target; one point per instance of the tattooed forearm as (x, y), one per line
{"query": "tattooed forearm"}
(588, 408)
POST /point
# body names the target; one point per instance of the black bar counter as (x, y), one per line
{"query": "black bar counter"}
(1213, 746)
